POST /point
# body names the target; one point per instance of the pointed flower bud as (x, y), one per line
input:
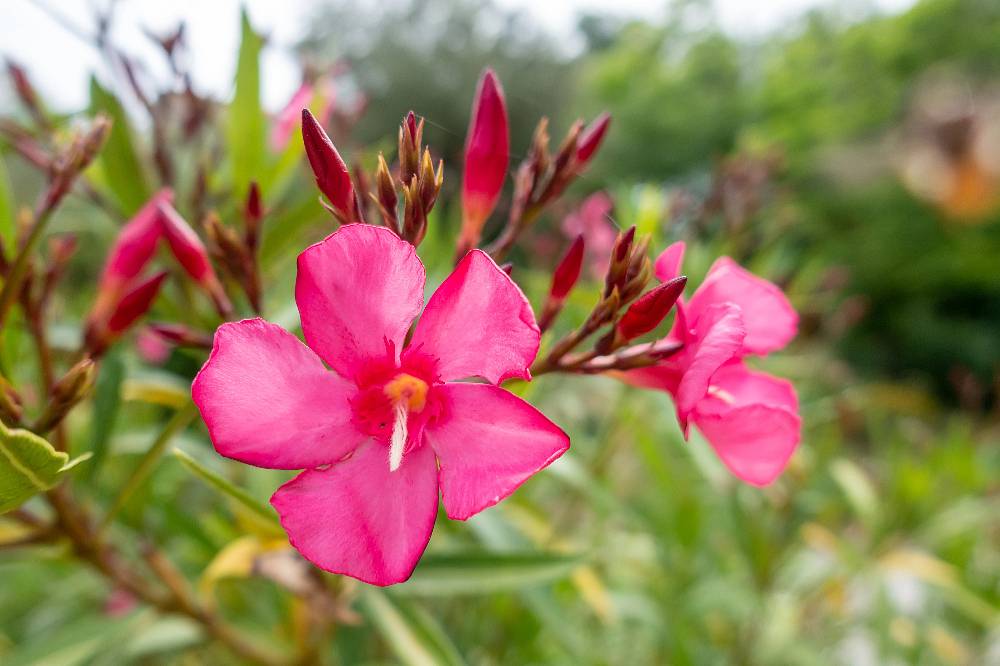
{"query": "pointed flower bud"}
(192, 255)
(620, 261)
(386, 197)
(181, 335)
(67, 392)
(487, 153)
(332, 175)
(568, 271)
(650, 309)
(135, 304)
(410, 137)
(130, 253)
(253, 214)
(590, 139)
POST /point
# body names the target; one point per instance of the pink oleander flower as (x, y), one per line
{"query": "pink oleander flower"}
(750, 418)
(389, 424)
(487, 154)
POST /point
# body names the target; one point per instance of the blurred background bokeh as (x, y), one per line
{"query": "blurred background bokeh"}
(849, 151)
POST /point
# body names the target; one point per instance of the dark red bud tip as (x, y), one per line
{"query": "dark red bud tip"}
(591, 138)
(507, 268)
(568, 271)
(411, 125)
(651, 308)
(624, 245)
(332, 175)
(135, 303)
(254, 209)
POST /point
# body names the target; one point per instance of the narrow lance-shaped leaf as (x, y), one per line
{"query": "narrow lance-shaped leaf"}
(226, 487)
(246, 125)
(118, 165)
(414, 636)
(484, 573)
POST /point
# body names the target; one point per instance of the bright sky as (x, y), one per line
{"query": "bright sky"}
(59, 63)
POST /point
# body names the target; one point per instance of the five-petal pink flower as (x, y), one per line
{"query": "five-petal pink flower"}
(750, 418)
(389, 424)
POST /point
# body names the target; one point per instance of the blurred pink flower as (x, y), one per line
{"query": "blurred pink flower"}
(288, 120)
(591, 221)
(750, 418)
(391, 425)
(152, 347)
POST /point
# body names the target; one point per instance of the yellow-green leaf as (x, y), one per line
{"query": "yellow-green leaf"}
(245, 129)
(28, 465)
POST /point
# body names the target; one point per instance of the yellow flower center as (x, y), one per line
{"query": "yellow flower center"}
(407, 390)
(407, 394)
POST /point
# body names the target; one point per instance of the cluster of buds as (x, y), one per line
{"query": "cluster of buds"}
(542, 178)
(123, 294)
(238, 253)
(418, 180)
(416, 177)
(622, 307)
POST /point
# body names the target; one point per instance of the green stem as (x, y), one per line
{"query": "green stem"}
(12, 286)
(180, 420)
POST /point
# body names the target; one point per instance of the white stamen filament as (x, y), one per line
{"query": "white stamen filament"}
(723, 395)
(399, 436)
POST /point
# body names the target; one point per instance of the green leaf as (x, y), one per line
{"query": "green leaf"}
(226, 487)
(6, 209)
(28, 465)
(107, 403)
(118, 167)
(482, 573)
(414, 636)
(245, 129)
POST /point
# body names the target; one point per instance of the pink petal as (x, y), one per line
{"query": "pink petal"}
(358, 518)
(288, 119)
(735, 385)
(668, 264)
(478, 324)
(770, 320)
(751, 420)
(488, 442)
(716, 339)
(755, 442)
(357, 290)
(268, 401)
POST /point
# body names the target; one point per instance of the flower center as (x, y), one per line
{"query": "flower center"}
(407, 394)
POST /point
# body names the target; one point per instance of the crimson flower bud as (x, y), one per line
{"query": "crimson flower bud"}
(192, 255)
(590, 139)
(568, 271)
(185, 245)
(135, 303)
(181, 335)
(650, 309)
(487, 154)
(135, 244)
(253, 213)
(332, 175)
(507, 268)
